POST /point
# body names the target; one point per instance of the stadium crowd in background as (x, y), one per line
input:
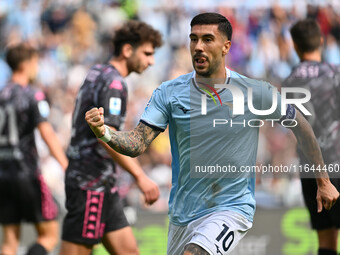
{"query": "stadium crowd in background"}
(73, 35)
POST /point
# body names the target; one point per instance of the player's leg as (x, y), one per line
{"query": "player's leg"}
(40, 208)
(194, 249)
(48, 237)
(10, 242)
(325, 222)
(121, 242)
(74, 248)
(328, 241)
(118, 236)
(10, 216)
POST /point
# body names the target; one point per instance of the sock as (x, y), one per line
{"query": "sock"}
(322, 251)
(36, 249)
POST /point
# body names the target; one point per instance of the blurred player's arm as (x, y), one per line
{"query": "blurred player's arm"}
(48, 135)
(327, 193)
(131, 165)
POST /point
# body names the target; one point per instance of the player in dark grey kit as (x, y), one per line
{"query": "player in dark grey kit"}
(323, 81)
(24, 196)
(95, 213)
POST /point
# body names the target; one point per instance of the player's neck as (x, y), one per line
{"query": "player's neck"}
(311, 56)
(220, 74)
(20, 79)
(120, 65)
(211, 81)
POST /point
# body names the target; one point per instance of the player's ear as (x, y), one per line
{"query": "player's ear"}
(25, 65)
(127, 50)
(226, 47)
(321, 41)
(296, 48)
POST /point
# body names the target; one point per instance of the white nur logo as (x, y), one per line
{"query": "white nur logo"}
(238, 100)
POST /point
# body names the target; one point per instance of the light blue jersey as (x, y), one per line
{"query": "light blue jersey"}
(196, 143)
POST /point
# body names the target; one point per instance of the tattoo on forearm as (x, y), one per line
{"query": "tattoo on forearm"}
(195, 249)
(309, 145)
(133, 143)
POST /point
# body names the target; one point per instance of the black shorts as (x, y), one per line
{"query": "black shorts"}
(91, 214)
(325, 219)
(27, 200)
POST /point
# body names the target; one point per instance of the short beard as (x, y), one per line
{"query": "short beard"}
(32, 80)
(130, 65)
(204, 74)
(207, 73)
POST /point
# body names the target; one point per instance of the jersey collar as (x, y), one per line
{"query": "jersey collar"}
(227, 80)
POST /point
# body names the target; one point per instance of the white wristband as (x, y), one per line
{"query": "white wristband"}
(107, 136)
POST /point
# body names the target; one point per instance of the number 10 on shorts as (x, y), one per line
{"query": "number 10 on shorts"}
(226, 237)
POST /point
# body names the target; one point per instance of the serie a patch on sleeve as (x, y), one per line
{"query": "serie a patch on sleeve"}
(290, 115)
(149, 102)
(115, 105)
(44, 108)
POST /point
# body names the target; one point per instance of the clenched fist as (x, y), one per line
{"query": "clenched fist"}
(95, 119)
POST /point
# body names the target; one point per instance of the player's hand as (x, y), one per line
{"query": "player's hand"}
(95, 119)
(149, 188)
(327, 195)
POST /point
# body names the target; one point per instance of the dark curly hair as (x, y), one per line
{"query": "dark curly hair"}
(19, 53)
(135, 33)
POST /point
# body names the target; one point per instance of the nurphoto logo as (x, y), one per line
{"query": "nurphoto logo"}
(238, 100)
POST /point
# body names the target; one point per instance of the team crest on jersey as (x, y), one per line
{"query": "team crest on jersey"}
(115, 105)
(44, 108)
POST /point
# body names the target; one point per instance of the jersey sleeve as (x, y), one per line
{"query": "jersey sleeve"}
(156, 113)
(40, 109)
(113, 98)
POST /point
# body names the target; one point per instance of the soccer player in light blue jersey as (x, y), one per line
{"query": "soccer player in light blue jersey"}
(213, 137)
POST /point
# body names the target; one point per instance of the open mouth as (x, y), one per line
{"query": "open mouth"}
(200, 60)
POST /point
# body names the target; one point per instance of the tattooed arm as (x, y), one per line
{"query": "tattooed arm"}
(327, 193)
(135, 142)
(130, 143)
